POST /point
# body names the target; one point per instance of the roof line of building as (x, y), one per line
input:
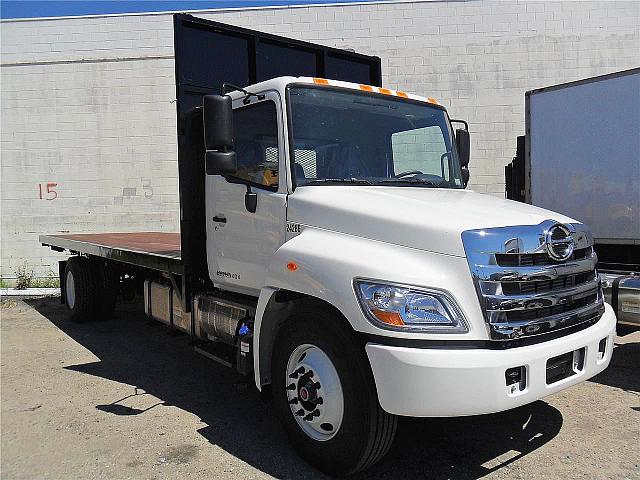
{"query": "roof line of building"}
(86, 60)
(227, 9)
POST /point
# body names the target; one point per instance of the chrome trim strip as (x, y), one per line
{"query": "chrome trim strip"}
(495, 273)
(512, 330)
(540, 300)
(520, 238)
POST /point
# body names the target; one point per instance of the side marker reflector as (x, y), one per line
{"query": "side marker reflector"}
(391, 318)
(321, 81)
(293, 266)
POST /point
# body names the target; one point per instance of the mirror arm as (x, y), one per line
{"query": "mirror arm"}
(464, 122)
(229, 87)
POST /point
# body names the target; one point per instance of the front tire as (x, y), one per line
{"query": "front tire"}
(325, 395)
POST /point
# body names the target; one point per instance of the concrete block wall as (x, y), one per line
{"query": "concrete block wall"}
(87, 102)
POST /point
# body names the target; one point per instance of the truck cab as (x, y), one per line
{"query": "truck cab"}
(295, 139)
(464, 303)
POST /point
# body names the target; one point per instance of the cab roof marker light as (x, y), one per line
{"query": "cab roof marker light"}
(370, 88)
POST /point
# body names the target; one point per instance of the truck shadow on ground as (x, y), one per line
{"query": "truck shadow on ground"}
(623, 370)
(239, 420)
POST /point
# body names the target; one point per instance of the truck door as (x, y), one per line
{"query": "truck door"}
(241, 243)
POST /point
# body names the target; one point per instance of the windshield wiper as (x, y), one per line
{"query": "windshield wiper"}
(412, 181)
(351, 181)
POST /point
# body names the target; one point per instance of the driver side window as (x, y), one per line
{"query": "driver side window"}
(255, 130)
(420, 149)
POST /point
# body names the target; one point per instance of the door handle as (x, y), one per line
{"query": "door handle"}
(220, 219)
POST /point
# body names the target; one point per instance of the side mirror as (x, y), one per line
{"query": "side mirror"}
(220, 163)
(463, 145)
(217, 119)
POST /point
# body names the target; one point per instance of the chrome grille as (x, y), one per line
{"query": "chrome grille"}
(528, 259)
(522, 290)
(541, 286)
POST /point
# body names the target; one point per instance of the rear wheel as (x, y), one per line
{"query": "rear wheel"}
(91, 289)
(108, 279)
(325, 395)
(81, 289)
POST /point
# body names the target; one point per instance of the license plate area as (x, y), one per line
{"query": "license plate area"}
(565, 366)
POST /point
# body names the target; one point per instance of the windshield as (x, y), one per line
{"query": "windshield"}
(347, 136)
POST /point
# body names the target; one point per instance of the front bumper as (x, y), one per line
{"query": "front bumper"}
(440, 382)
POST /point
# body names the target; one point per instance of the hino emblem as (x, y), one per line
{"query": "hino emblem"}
(559, 242)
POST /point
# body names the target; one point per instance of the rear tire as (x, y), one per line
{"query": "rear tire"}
(361, 432)
(81, 289)
(108, 286)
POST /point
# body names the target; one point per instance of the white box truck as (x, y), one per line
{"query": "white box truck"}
(581, 156)
(328, 246)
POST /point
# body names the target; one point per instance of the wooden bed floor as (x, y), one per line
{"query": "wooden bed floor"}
(160, 243)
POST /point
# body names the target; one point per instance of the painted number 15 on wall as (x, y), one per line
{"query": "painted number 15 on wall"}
(47, 191)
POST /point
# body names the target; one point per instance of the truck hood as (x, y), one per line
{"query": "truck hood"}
(424, 218)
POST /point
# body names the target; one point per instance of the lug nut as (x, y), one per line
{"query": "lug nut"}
(315, 413)
(319, 401)
(293, 401)
(297, 372)
(291, 386)
(316, 385)
(300, 412)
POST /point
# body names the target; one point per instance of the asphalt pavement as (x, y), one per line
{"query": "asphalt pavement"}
(126, 398)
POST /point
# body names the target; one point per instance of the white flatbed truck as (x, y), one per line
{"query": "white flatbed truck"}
(328, 245)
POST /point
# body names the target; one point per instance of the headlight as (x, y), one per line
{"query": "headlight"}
(399, 307)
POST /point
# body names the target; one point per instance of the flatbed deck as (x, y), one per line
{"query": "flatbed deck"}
(155, 250)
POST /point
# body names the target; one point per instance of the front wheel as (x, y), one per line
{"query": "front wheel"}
(325, 395)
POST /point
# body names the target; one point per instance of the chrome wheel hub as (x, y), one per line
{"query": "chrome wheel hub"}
(314, 392)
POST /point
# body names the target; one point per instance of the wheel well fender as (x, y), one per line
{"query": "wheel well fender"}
(275, 307)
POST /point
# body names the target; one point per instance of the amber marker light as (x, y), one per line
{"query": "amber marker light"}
(391, 318)
(293, 266)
